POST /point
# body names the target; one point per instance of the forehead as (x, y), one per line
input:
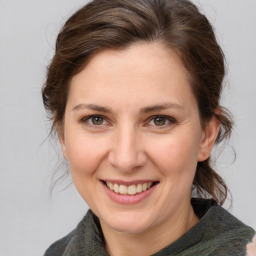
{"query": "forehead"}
(142, 72)
(140, 58)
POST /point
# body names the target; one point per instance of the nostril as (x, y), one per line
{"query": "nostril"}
(126, 161)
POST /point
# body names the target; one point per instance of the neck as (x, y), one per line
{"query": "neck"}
(153, 239)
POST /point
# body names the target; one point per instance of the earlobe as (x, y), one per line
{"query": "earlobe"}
(208, 139)
(62, 143)
(63, 147)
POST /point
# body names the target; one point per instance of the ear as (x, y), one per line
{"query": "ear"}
(63, 147)
(209, 137)
(60, 132)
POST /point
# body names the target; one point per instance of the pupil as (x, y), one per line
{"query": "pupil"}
(97, 120)
(159, 121)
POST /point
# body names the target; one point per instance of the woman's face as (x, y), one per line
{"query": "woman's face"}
(132, 125)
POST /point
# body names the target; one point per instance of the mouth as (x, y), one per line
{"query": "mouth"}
(131, 189)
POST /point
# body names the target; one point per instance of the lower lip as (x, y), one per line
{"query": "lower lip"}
(128, 199)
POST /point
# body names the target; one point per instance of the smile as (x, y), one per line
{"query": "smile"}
(129, 190)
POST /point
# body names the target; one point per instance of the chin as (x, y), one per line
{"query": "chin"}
(129, 228)
(128, 223)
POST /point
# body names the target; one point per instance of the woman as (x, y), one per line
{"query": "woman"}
(133, 91)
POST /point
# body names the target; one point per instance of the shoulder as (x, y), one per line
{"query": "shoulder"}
(58, 248)
(224, 233)
(217, 219)
(223, 221)
(76, 240)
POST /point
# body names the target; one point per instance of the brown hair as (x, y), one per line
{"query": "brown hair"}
(176, 24)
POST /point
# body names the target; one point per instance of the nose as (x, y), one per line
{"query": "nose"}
(127, 153)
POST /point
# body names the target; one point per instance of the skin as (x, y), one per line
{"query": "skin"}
(129, 144)
(251, 248)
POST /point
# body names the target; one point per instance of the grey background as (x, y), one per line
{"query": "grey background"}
(29, 218)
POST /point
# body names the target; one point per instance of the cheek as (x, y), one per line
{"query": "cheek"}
(85, 154)
(175, 155)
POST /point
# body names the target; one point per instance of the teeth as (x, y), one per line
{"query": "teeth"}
(139, 188)
(130, 190)
(110, 185)
(123, 189)
(116, 188)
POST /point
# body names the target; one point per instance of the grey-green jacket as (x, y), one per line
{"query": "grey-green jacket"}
(218, 233)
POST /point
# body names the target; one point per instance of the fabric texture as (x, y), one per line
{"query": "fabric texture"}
(217, 233)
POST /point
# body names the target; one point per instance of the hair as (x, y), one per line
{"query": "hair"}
(118, 24)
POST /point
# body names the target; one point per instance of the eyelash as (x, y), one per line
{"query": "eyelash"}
(170, 120)
(85, 120)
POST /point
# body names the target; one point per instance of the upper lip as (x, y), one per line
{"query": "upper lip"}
(128, 183)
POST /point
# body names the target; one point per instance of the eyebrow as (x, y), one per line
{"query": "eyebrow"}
(144, 110)
(92, 107)
(160, 107)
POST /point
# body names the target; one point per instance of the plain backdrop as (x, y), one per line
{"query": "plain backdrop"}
(30, 219)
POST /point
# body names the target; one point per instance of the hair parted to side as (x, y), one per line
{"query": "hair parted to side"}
(117, 24)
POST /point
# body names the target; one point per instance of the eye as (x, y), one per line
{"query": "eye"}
(95, 120)
(161, 121)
